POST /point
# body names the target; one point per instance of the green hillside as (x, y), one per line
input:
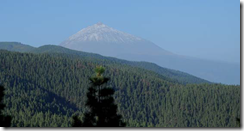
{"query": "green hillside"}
(15, 46)
(181, 77)
(47, 89)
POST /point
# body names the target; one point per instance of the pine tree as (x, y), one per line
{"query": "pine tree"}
(5, 121)
(103, 111)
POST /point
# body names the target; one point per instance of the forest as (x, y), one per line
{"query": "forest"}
(176, 75)
(47, 89)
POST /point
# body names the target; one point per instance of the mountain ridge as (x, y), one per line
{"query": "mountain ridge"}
(173, 74)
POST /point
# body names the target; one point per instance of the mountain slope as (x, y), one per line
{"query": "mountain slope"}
(172, 74)
(45, 90)
(15, 46)
(107, 41)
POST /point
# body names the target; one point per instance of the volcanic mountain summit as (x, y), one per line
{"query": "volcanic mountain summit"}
(103, 33)
(104, 40)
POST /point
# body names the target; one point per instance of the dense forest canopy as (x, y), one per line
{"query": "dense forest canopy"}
(46, 90)
(181, 77)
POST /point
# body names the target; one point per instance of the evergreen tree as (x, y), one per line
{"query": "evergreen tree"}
(5, 121)
(103, 111)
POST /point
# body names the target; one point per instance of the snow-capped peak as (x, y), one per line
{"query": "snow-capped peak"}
(102, 39)
(103, 33)
(100, 24)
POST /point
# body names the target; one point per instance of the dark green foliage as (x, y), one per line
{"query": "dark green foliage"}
(15, 46)
(169, 73)
(46, 90)
(178, 76)
(5, 120)
(102, 110)
(181, 77)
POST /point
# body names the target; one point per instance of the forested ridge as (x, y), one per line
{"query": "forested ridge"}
(48, 89)
(181, 77)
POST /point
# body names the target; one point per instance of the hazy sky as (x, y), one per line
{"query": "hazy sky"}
(201, 28)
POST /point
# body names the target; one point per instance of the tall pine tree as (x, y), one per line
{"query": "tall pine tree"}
(102, 109)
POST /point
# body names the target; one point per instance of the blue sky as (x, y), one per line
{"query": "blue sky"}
(207, 29)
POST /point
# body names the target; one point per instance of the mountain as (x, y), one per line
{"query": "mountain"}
(15, 46)
(175, 75)
(107, 41)
(104, 40)
(47, 89)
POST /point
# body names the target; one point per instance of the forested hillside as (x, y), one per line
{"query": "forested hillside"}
(47, 89)
(16, 46)
(181, 77)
